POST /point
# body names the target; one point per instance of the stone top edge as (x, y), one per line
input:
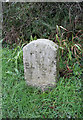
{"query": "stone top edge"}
(44, 41)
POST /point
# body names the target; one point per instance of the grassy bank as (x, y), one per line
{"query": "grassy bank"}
(22, 101)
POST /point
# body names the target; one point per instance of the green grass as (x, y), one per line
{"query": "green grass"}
(22, 101)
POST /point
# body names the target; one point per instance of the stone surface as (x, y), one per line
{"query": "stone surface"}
(40, 58)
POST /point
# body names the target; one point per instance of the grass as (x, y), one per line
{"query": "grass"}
(22, 101)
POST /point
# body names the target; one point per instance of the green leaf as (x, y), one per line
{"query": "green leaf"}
(70, 57)
(78, 47)
(61, 48)
(66, 44)
(16, 70)
(35, 38)
(1, 41)
(72, 36)
(58, 28)
(57, 39)
(31, 38)
(9, 72)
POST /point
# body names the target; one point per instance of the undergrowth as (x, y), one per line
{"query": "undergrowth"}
(19, 24)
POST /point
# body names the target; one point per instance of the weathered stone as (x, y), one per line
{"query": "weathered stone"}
(40, 59)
